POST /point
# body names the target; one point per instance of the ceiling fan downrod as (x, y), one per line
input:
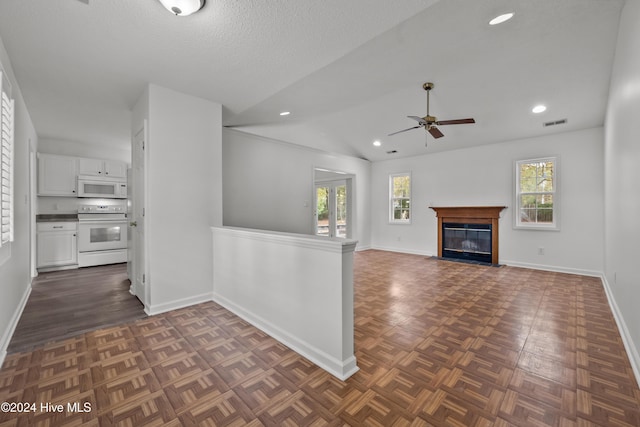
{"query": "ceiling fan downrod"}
(427, 86)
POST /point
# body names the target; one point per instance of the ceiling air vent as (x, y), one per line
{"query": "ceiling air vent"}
(392, 152)
(553, 123)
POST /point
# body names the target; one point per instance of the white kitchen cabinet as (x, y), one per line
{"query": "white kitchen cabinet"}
(115, 169)
(98, 167)
(57, 175)
(57, 244)
(91, 167)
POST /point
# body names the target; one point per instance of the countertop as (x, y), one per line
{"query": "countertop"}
(57, 218)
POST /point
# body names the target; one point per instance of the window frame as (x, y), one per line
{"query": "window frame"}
(392, 220)
(7, 160)
(554, 225)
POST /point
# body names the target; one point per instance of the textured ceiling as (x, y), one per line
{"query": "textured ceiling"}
(350, 72)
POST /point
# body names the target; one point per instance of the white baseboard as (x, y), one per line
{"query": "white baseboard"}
(154, 309)
(553, 268)
(341, 369)
(8, 333)
(401, 250)
(629, 345)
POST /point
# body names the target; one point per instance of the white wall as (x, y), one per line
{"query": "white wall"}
(485, 176)
(268, 185)
(184, 195)
(622, 177)
(297, 288)
(15, 270)
(80, 149)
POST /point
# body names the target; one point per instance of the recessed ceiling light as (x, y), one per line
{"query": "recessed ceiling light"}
(538, 109)
(500, 19)
(377, 143)
(285, 113)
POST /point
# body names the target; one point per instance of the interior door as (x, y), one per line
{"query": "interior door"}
(139, 282)
(323, 210)
(331, 219)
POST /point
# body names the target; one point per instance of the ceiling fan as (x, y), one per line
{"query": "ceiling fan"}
(429, 122)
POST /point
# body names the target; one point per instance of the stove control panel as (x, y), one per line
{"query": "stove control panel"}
(101, 209)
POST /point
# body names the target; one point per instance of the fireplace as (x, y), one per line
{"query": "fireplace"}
(464, 241)
(468, 233)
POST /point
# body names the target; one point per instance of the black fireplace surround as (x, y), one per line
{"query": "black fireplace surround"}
(469, 242)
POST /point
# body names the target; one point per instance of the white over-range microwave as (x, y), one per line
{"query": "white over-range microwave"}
(105, 188)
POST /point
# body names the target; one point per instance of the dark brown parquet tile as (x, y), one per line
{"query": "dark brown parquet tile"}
(172, 370)
(551, 369)
(187, 391)
(438, 344)
(265, 389)
(169, 350)
(225, 410)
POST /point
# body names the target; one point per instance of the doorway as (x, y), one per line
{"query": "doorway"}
(331, 209)
(137, 252)
(333, 197)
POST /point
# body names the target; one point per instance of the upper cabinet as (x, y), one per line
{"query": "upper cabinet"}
(97, 167)
(57, 175)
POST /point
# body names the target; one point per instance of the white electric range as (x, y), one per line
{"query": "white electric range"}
(102, 235)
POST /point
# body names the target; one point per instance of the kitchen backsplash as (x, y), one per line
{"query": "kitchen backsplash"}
(68, 205)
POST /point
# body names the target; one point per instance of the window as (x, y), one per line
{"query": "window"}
(6, 161)
(536, 185)
(400, 198)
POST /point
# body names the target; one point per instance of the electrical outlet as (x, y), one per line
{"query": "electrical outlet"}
(540, 250)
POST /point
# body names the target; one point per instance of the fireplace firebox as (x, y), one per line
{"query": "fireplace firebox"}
(468, 233)
(471, 242)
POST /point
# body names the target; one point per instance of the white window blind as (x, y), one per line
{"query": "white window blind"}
(6, 161)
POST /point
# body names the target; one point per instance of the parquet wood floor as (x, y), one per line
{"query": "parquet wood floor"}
(438, 344)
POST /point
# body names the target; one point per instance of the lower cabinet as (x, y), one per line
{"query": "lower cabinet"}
(57, 244)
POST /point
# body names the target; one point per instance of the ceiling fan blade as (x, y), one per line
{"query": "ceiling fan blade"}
(455, 122)
(435, 132)
(404, 130)
(420, 120)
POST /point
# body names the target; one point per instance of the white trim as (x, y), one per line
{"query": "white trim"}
(393, 221)
(400, 251)
(152, 310)
(339, 369)
(554, 268)
(327, 244)
(517, 224)
(8, 333)
(627, 340)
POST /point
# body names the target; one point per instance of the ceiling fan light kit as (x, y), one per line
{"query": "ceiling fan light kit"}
(429, 122)
(183, 7)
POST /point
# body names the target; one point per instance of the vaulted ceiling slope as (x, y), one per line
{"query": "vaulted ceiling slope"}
(349, 72)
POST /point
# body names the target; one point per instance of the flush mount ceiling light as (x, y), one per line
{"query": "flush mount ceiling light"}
(285, 113)
(377, 143)
(183, 7)
(538, 109)
(501, 18)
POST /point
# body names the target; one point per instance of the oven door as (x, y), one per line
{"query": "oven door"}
(102, 235)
